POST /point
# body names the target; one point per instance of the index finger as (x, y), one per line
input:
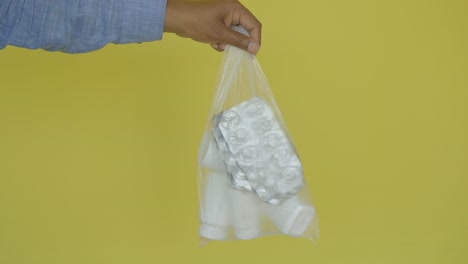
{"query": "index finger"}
(248, 21)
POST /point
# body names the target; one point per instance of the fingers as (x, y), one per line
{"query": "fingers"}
(217, 47)
(242, 16)
(239, 40)
(253, 47)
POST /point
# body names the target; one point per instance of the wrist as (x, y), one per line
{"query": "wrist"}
(173, 17)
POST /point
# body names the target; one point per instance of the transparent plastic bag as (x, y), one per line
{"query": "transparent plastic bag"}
(251, 181)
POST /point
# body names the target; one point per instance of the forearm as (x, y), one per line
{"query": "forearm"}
(79, 26)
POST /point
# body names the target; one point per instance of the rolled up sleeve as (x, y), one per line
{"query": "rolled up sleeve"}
(79, 26)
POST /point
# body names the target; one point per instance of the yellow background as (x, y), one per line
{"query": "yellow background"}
(98, 151)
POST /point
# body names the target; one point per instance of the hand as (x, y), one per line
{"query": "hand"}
(210, 22)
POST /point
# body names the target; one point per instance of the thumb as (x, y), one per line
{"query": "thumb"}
(234, 38)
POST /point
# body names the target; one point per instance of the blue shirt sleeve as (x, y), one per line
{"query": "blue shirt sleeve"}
(75, 26)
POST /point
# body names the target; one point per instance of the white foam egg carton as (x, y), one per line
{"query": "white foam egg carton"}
(257, 152)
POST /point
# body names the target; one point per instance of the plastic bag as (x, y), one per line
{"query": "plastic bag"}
(251, 181)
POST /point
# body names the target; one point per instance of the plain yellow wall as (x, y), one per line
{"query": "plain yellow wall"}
(98, 151)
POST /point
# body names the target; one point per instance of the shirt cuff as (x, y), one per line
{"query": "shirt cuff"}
(142, 20)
